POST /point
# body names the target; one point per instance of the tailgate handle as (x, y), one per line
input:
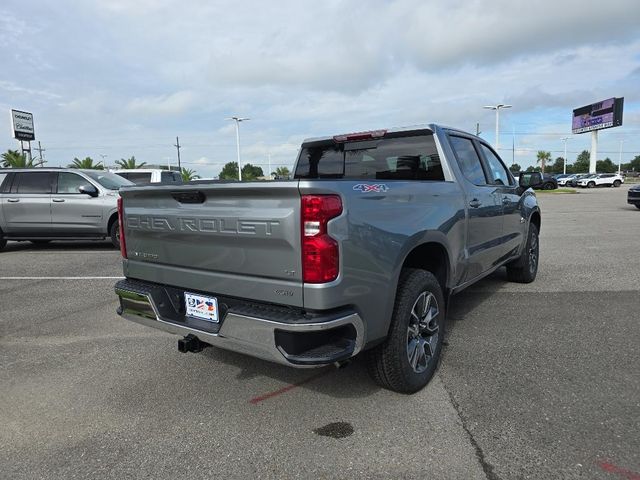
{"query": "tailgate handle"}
(189, 197)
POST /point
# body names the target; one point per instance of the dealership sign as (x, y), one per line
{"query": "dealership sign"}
(604, 114)
(22, 125)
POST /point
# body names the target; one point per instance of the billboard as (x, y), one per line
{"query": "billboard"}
(22, 125)
(604, 114)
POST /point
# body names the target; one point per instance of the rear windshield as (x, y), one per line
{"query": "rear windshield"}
(401, 158)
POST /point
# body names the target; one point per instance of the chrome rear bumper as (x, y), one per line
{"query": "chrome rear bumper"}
(246, 334)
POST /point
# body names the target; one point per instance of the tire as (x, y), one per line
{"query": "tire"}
(637, 206)
(3, 242)
(114, 233)
(525, 268)
(617, 183)
(591, 184)
(547, 186)
(409, 356)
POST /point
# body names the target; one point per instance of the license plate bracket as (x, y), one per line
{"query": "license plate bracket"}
(202, 307)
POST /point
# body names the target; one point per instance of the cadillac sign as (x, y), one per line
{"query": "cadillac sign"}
(22, 124)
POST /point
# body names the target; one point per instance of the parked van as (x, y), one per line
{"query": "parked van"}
(144, 176)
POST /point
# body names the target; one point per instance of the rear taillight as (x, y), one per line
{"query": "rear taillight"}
(357, 136)
(123, 246)
(320, 254)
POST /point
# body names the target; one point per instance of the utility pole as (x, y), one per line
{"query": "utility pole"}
(177, 145)
(564, 139)
(497, 109)
(103, 156)
(620, 158)
(40, 150)
(269, 174)
(237, 120)
(478, 132)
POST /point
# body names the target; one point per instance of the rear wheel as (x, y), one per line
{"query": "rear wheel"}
(617, 183)
(408, 358)
(114, 233)
(547, 186)
(3, 242)
(525, 268)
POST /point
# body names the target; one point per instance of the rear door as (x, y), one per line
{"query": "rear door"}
(507, 192)
(27, 206)
(484, 204)
(73, 212)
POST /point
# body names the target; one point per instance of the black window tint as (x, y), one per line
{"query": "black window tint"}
(400, 158)
(70, 182)
(499, 175)
(169, 177)
(468, 160)
(123, 174)
(139, 178)
(33, 182)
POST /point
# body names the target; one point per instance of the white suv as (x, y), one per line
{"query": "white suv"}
(601, 179)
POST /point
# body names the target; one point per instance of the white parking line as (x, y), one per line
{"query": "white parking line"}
(61, 278)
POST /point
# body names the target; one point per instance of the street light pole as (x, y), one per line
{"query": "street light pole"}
(564, 169)
(238, 120)
(497, 109)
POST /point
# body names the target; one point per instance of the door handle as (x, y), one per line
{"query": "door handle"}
(475, 203)
(13, 200)
(58, 200)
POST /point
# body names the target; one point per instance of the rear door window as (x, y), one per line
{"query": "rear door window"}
(170, 177)
(499, 175)
(32, 182)
(468, 160)
(139, 178)
(400, 158)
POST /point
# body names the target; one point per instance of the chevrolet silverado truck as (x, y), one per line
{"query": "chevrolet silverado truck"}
(360, 252)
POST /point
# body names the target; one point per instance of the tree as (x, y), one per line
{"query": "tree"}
(606, 166)
(282, 173)
(86, 162)
(543, 158)
(15, 159)
(532, 169)
(633, 165)
(581, 164)
(251, 172)
(557, 166)
(188, 174)
(229, 171)
(129, 163)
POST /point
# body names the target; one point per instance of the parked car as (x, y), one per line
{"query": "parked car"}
(574, 181)
(361, 251)
(601, 180)
(633, 196)
(47, 204)
(144, 176)
(566, 181)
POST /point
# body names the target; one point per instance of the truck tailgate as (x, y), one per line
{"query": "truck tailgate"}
(227, 239)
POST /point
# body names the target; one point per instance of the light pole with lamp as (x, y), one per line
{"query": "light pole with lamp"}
(564, 139)
(497, 109)
(238, 120)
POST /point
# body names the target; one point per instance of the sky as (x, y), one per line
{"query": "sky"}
(112, 79)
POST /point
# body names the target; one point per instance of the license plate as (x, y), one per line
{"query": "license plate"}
(199, 306)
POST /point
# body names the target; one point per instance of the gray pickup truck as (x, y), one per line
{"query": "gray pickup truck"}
(361, 252)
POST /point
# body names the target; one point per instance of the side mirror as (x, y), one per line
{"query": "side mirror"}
(89, 190)
(530, 179)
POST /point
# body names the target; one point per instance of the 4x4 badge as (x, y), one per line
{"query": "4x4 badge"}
(371, 187)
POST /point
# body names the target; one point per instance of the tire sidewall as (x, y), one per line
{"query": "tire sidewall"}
(113, 233)
(422, 281)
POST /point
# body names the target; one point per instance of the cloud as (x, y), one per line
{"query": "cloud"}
(172, 104)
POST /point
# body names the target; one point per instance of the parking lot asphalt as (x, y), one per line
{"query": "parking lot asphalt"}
(537, 381)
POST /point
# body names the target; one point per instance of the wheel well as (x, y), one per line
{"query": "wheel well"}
(536, 220)
(112, 219)
(432, 257)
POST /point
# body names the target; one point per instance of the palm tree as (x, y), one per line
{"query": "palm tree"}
(282, 172)
(15, 159)
(86, 163)
(543, 157)
(188, 174)
(129, 163)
